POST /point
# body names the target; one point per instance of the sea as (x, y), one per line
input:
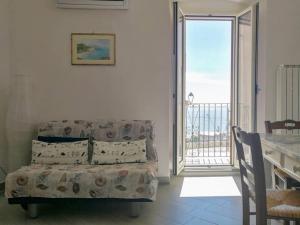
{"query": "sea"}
(206, 121)
(98, 54)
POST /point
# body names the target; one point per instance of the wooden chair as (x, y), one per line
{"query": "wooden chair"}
(281, 125)
(269, 204)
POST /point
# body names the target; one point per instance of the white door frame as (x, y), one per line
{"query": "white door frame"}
(253, 10)
(178, 137)
(178, 167)
(254, 57)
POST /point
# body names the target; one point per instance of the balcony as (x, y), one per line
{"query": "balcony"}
(207, 134)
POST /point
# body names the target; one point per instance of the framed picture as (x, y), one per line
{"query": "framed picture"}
(93, 49)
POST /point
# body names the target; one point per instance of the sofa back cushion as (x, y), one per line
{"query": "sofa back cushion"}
(59, 139)
(60, 153)
(119, 152)
(104, 130)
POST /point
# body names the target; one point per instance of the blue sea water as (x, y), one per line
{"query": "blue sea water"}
(98, 54)
(207, 120)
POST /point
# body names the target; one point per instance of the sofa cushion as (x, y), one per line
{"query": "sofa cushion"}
(119, 152)
(103, 130)
(60, 153)
(60, 139)
(129, 181)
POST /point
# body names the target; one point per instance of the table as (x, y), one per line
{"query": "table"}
(283, 151)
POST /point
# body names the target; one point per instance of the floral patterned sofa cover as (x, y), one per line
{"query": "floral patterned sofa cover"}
(134, 181)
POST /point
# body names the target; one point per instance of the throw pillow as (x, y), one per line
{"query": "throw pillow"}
(119, 152)
(60, 153)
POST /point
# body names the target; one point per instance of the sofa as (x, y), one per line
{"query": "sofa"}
(132, 182)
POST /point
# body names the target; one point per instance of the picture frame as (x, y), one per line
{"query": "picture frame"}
(93, 49)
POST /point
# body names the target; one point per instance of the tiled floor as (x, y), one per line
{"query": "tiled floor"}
(169, 209)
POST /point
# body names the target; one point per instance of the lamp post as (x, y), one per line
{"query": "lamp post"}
(191, 97)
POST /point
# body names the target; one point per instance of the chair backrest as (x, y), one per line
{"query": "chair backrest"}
(281, 125)
(252, 175)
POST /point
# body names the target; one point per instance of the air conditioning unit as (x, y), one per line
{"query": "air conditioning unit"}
(93, 4)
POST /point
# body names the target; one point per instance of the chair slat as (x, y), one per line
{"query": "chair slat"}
(251, 188)
(250, 184)
(244, 138)
(247, 166)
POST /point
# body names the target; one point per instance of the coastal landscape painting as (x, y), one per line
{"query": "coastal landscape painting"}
(93, 49)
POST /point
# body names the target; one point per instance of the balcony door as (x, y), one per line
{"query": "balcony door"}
(179, 138)
(204, 59)
(215, 87)
(246, 68)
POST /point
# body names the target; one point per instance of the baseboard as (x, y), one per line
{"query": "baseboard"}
(217, 171)
(164, 180)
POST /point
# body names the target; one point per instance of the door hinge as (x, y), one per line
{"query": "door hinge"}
(257, 89)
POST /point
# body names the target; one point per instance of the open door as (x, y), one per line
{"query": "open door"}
(246, 71)
(246, 68)
(179, 26)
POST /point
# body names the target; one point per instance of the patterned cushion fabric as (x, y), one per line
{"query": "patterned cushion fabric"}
(130, 181)
(104, 130)
(60, 153)
(119, 152)
(284, 203)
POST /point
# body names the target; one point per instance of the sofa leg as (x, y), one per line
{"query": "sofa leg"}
(24, 207)
(32, 211)
(135, 209)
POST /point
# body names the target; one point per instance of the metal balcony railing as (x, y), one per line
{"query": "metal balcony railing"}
(207, 134)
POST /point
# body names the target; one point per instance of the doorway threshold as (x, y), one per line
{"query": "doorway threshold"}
(210, 171)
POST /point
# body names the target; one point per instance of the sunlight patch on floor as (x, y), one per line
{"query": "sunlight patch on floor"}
(209, 187)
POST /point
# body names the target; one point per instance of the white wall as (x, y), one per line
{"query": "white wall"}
(138, 87)
(4, 75)
(278, 44)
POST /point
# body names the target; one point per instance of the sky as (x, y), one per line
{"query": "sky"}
(208, 60)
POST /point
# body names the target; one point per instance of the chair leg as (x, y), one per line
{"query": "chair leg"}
(32, 211)
(135, 209)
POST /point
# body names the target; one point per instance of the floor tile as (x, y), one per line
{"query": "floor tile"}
(169, 209)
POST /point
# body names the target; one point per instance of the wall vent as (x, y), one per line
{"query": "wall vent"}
(93, 4)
